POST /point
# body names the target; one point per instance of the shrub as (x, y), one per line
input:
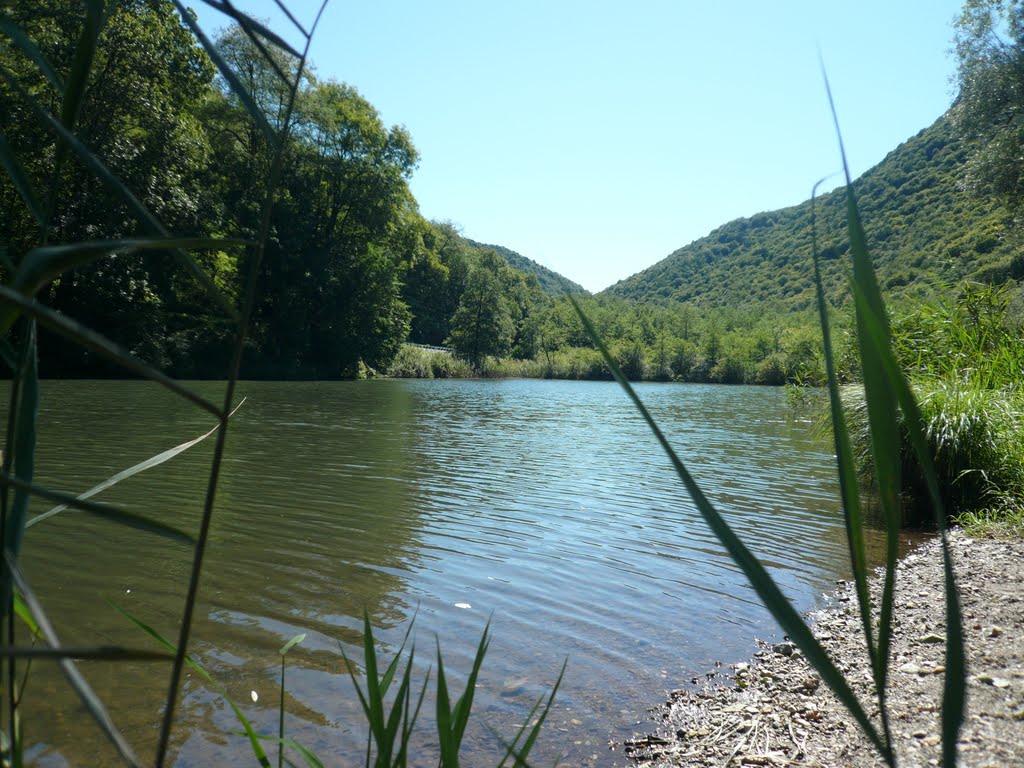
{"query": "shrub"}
(975, 438)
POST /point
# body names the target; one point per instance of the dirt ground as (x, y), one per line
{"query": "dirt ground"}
(774, 711)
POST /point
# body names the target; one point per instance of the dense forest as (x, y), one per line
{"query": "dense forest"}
(353, 271)
(926, 232)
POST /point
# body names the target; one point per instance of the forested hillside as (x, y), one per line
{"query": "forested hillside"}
(550, 282)
(351, 268)
(925, 232)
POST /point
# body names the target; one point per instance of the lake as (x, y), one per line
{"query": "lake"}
(546, 507)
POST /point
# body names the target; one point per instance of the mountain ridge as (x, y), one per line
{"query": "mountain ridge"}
(924, 230)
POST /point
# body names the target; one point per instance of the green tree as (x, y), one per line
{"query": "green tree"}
(345, 227)
(141, 117)
(989, 111)
(483, 323)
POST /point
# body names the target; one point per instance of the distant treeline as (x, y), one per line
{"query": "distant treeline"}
(351, 271)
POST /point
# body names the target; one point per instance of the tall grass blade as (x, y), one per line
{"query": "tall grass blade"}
(519, 754)
(121, 516)
(149, 463)
(254, 30)
(45, 263)
(955, 683)
(29, 48)
(280, 730)
(20, 181)
(308, 755)
(409, 719)
(22, 612)
(81, 66)
(881, 410)
(761, 581)
(848, 482)
(229, 75)
(255, 25)
(91, 340)
(24, 448)
(451, 721)
(117, 187)
(291, 18)
(396, 727)
(236, 363)
(250, 733)
(85, 692)
(443, 719)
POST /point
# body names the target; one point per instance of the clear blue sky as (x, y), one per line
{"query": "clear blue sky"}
(597, 137)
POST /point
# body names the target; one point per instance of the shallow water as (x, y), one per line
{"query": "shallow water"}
(546, 506)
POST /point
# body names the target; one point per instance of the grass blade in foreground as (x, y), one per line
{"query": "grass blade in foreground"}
(520, 754)
(124, 517)
(954, 694)
(384, 731)
(85, 692)
(892, 389)
(765, 587)
(280, 726)
(451, 721)
(847, 472)
(254, 739)
(881, 412)
(149, 463)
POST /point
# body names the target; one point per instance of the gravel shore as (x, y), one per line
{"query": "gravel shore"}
(774, 711)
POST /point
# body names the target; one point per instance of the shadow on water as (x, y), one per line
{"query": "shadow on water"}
(545, 505)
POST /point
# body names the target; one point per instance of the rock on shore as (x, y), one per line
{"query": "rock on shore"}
(776, 711)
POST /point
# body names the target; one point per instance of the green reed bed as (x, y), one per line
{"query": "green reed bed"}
(964, 358)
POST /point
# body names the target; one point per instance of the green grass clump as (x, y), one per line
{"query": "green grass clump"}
(1006, 521)
(975, 439)
(413, 362)
(964, 359)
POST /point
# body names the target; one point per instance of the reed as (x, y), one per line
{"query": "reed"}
(24, 276)
(886, 393)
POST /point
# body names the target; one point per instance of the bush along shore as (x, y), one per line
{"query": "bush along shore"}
(774, 710)
(586, 364)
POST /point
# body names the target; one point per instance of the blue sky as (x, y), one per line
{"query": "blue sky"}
(598, 137)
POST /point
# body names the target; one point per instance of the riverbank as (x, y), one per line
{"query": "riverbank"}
(774, 711)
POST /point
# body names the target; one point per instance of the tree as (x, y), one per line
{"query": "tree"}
(989, 112)
(345, 228)
(482, 324)
(139, 116)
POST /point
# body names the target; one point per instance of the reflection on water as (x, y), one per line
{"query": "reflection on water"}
(545, 506)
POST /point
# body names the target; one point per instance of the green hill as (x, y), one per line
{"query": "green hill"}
(550, 281)
(924, 231)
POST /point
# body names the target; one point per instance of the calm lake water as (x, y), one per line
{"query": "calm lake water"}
(546, 506)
